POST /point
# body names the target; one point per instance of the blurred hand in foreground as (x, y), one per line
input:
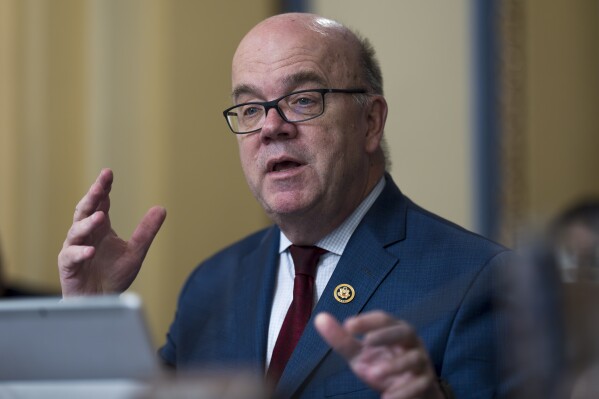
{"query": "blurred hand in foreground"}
(389, 357)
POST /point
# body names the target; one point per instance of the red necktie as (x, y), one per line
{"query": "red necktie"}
(305, 259)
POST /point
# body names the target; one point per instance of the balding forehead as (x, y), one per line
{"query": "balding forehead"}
(305, 19)
(312, 43)
(300, 21)
(283, 30)
(326, 26)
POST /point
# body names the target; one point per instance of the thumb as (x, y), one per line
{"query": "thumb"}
(336, 336)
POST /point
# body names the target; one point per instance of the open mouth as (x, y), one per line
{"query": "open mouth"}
(285, 165)
(282, 164)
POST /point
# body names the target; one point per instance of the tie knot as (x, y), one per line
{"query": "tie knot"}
(305, 258)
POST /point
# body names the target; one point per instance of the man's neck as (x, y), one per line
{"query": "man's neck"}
(308, 229)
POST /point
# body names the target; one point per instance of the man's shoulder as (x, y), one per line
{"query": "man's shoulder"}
(448, 245)
(395, 218)
(230, 258)
(427, 223)
(256, 241)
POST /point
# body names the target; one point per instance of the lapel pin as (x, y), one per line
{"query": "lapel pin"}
(344, 293)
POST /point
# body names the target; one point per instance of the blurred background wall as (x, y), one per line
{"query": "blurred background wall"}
(139, 86)
(548, 62)
(562, 103)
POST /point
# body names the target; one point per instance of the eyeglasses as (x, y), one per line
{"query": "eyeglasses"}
(299, 106)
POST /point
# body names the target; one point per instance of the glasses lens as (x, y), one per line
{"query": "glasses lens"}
(299, 107)
(296, 107)
(246, 117)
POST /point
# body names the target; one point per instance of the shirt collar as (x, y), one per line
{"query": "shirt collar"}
(335, 241)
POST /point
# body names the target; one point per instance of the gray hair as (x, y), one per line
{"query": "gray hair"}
(372, 74)
(371, 68)
(369, 65)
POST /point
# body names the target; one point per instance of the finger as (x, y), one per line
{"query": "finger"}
(104, 205)
(414, 362)
(147, 229)
(415, 387)
(98, 192)
(80, 231)
(73, 255)
(336, 336)
(369, 321)
(107, 177)
(376, 354)
(400, 333)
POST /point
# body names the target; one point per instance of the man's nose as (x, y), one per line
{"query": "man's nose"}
(277, 128)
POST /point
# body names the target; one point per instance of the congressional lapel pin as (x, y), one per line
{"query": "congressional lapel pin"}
(344, 293)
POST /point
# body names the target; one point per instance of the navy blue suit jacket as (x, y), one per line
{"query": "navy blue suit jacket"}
(401, 259)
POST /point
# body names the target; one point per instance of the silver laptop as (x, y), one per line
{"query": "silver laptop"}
(80, 338)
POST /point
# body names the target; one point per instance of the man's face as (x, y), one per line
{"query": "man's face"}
(310, 169)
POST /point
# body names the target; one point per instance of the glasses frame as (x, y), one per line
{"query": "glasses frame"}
(274, 104)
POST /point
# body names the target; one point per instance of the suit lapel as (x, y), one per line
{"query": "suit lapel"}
(253, 298)
(363, 265)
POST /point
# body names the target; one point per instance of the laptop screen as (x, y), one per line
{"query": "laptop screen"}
(80, 338)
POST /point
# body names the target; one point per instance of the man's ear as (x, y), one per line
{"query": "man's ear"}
(376, 114)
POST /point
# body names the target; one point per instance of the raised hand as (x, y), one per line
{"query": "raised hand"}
(93, 259)
(389, 357)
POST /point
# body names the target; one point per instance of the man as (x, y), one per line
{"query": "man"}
(413, 292)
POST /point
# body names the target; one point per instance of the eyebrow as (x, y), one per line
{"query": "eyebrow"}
(243, 89)
(293, 80)
(303, 77)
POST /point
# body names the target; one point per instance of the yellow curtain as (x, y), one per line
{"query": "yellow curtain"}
(137, 86)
